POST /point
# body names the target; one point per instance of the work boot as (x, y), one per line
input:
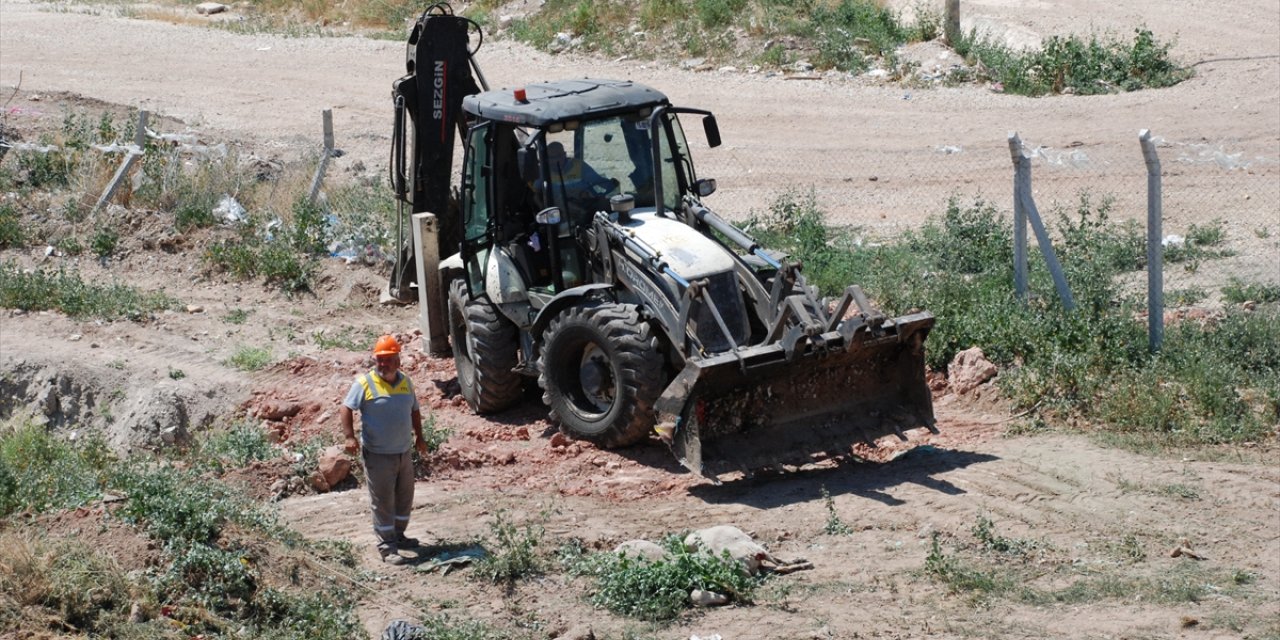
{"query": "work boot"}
(405, 542)
(390, 555)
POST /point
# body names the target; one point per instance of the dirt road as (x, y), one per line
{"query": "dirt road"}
(1096, 527)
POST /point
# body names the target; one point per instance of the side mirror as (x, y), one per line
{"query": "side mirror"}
(550, 215)
(712, 130)
(704, 187)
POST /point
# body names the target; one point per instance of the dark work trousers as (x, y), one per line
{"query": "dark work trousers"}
(390, 478)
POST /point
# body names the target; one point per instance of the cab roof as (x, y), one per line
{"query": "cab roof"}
(547, 103)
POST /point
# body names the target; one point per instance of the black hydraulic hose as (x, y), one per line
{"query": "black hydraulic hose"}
(733, 233)
(396, 163)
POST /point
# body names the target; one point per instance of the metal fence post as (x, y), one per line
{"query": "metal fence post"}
(1023, 197)
(324, 156)
(1021, 182)
(1155, 244)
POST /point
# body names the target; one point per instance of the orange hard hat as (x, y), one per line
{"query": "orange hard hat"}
(386, 346)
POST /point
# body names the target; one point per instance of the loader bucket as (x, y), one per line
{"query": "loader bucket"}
(765, 405)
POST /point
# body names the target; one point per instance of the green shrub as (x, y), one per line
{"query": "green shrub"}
(851, 30)
(1238, 291)
(279, 615)
(235, 447)
(659, 590)
(1095, 65)
(275, 257)
(179, 507)
(11, 233)
(1210, 383)
(104, 241)
(85, 588)
(40, 473)
(514, 551)
(214, 577)
(45, 169)
(65, 291)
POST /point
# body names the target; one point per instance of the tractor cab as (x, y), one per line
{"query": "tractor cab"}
(571, 146)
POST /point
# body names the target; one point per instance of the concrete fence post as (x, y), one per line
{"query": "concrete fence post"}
(431, 309)
(1022, 196)
(1155, 244)
(951, 23)
(324, 156)
(131, 156)
(1021, 183)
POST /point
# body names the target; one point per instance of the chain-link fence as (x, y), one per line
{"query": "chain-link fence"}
(1221, 204)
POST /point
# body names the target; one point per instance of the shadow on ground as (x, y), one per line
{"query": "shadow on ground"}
(921, 465)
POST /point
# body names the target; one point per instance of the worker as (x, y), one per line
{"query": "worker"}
(390, 429)
(585, 189)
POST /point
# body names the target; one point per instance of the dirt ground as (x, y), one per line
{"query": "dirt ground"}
(1078, 501)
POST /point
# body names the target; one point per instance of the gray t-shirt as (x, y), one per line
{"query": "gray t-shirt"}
(386, 412)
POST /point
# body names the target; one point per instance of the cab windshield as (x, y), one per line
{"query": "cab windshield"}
(586, 165)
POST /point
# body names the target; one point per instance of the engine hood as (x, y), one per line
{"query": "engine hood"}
(687, 252)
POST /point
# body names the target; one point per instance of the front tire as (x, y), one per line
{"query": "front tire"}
(485, 351)
(600, 374)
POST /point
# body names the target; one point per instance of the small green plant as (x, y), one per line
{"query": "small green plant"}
(176, 374)
(984, 530)
(69, 246)
(1180, 490)
(1202, 242)
(11, 233)
(1237, 291)
(442, 626)
(104, 241)
(250, 358)
(432, 434)
(46, 169)
(834, 525)
(236, 316)
(514, 552)
(237, 446)
(959, 575)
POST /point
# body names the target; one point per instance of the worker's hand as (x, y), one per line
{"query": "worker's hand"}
(352, 446)
(421, 446)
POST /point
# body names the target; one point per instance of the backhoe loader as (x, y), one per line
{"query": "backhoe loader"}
(579, 252)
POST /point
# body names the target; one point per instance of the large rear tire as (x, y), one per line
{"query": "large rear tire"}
(600, 373)
(485, 350)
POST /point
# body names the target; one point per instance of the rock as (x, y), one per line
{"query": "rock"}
(316, 481)
(969, 369)
(718, 540)
(642, 549)
(276, 411)
(580, 632)
(210, 8)
(701, 598)
(559, 441)
(334, 465)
